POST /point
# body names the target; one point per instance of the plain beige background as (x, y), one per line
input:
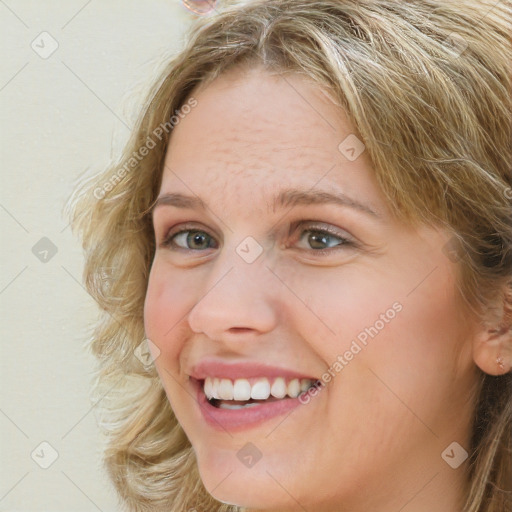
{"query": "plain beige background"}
(61, 114)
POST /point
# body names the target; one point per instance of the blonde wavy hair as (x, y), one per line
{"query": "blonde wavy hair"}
(427, 85)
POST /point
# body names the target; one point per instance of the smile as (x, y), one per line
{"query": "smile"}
(244, 394)
(235, 394)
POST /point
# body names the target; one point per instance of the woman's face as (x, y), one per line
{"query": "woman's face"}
(278, 264)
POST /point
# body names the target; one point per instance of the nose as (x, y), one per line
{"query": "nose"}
(239, 300)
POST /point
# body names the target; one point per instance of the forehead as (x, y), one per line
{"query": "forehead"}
(253, 129)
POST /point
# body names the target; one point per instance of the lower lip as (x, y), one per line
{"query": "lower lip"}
(245, 417)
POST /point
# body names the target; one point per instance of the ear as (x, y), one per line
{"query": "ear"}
(492, 346)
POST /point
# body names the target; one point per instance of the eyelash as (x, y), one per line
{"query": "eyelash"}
(344, 242)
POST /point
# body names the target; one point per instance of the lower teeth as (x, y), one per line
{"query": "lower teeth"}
(227, 404)
(224, 405)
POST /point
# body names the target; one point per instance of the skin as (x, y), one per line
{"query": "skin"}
(372, 439)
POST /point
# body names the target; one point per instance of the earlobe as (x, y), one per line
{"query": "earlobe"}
(492, 352)
(501, 364)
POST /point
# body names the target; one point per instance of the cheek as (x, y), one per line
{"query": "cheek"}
(429, 330)
(413, 359)
(165, 305)
(390, 340)
(333, 307)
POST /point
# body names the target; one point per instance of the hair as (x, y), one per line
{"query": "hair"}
(427, 86)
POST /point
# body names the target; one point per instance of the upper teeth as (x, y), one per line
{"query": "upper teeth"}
(261, 389)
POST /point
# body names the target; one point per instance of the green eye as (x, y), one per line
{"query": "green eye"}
(191, 239)
(319, 239)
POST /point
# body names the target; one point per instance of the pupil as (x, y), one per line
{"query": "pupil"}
(196, 238)
(318, 239)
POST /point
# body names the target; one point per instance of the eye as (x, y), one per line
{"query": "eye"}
(322, 239)
(190, 239)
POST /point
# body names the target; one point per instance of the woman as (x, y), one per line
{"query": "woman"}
(310, 230)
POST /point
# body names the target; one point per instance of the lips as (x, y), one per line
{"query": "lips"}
(242, 370)
(241, 395)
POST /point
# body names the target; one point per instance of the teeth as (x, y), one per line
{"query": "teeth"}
(305, 384)
(215, 388)
(241, 389)
(261, 389)
(226, 389)
(294, 388)
(208, 388)
(224, 405)
(278, 389)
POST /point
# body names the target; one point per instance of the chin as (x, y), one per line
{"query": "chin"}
(254, 491)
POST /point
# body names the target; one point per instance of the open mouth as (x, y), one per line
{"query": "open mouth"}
(224, 393)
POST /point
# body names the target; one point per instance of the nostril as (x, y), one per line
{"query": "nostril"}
(239, 330)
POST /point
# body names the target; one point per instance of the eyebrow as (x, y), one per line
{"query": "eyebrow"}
(285, 198)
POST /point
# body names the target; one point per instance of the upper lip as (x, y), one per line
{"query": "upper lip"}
(240, 370)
